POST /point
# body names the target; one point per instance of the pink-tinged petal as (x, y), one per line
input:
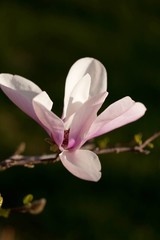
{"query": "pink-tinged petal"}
(83, 119)
(79, 95)
(83, 164)
(44, 100)
(20, 91)
(79, 69)
(48, 120)
(116, 115)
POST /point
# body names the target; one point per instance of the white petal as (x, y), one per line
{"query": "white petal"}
(83, 164)
(44, 100)
(49, 121)
(79, 95)
(79, 69)
(20, 91)
(116, 115)
(83, 120)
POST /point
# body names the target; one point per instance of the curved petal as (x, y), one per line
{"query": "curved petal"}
(20, 91)
(116, 115)
(79, 95)
(79, 69)
(48, 120)
(83, 164)
(83, 120)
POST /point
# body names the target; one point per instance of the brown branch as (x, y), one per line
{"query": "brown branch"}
(137, 148)
(34, 207)
(29, 161)
(121, 149)
(150, 140)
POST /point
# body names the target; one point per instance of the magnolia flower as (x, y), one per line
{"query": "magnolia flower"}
(85, 92)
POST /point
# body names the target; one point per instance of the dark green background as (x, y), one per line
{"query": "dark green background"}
(40, 40)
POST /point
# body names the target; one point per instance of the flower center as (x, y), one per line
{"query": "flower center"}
(66, 136)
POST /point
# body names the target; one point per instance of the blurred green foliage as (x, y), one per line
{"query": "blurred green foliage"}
(40, 40)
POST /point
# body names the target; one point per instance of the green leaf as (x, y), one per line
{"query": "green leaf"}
(150, 145)
(4, 212)
(138, 138)
(53, 146)
(1, 201)
(27, 199)
(102, 143)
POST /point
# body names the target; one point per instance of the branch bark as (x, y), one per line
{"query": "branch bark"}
(35, 207)
(30, 161)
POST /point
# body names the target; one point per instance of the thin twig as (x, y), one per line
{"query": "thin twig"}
(34, 207)
(29, 161)
(141, 148)
(149, 140)
(121, 149)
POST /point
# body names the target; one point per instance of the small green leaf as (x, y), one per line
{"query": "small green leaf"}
(150, 145)
(1, 201)
(27, 199)
(53, 148)
(138, 138)
(102, 143)
(4, 212)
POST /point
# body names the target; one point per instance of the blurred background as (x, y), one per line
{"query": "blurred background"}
(40, 40)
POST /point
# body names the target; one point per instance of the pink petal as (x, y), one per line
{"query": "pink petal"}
(83, 119)
(116, 115)
(48, 120)
(20, 91)
(79, 69)
(83, 164)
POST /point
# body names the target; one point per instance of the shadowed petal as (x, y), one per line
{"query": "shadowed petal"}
(20, 91)
(116, 115)
(83, 164)
(48, 120)
(79, 95)
(83, 119)
(79, 69)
